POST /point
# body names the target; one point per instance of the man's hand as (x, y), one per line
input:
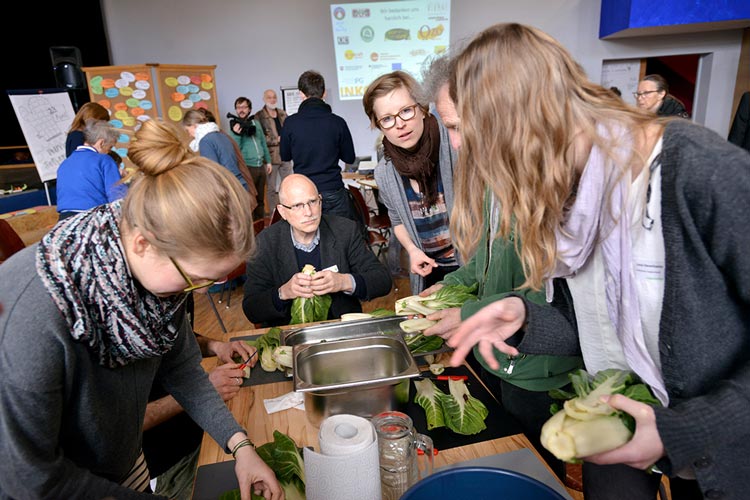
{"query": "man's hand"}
(226, 351)
(325, 282)
(227, 379)
(419, 263)
(269, 168)
(297, 286)
(448, 321)
(237, 129)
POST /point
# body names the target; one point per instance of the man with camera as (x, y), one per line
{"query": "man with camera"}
(249, 135)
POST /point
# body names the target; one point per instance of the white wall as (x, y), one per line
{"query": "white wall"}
(259, 44)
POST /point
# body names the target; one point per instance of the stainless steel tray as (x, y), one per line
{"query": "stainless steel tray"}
(343, 330)
(388, 325)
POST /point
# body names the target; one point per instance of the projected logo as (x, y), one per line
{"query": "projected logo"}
(339, 13)
(342, 40)
(374, 57)
(397, 34)
(427, 33)
(360, 13)
(367, 34)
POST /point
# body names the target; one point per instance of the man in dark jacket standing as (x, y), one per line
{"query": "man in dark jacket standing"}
(315, 139)
(346, 269)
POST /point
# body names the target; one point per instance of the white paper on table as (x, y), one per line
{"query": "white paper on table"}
(284, 402)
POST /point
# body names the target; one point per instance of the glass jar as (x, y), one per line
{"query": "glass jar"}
(401, 465)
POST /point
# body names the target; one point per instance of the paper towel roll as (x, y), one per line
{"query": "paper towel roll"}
(344, 434)
(348, 465)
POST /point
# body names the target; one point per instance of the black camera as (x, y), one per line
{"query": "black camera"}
(246, 126)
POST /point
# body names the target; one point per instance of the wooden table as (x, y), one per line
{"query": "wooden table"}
(247, 407)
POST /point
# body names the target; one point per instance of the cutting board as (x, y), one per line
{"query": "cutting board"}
(499, 422)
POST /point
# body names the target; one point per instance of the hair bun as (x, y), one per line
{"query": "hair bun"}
(158, 147)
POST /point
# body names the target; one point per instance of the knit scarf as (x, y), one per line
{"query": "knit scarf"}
(420, 164)
(83, 267)
(201, 131)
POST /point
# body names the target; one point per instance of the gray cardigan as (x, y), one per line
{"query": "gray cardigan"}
(393, 196)
(704, 331)
(70, 428)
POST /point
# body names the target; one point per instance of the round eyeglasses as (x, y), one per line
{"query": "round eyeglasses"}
(406, 113)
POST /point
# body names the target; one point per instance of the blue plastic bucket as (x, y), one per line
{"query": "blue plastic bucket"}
(480, 483)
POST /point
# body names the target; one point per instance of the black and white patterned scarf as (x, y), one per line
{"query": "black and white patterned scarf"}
(82, 264)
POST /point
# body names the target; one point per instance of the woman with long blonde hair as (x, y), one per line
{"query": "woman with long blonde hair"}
(636, 226)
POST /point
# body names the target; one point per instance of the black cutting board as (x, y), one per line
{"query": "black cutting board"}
(258, 376)
(499, 423)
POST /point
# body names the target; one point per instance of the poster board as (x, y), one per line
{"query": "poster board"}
(128, 93)
(45, 117)
(182, 88)
(291, 98)
(623, 74)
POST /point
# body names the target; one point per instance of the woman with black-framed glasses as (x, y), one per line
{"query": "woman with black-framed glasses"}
(95, 316)
(415, 177)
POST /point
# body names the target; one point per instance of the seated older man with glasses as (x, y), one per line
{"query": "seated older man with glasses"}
(346, 267)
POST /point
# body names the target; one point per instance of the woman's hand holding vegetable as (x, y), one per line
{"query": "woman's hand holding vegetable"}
(419, 262)
(645, 447)
(325, 282)
(227, 352)
(489, 328)
(227, 379)
(297, 286)
(254, 475)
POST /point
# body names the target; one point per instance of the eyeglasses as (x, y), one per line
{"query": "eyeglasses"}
(242, 106)
(638, 95)
(194, 286)
(297, 207)
(406, 113)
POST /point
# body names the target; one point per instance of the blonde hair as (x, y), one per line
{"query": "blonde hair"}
(523, 102)
(384, 85)
(90, 110)
(183, 203)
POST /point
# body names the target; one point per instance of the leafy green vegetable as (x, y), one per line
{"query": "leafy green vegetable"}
(584, 425)
(459, 411)
(313, 309)
(401, 391)
(430, 398)
(285, 459)
(266, 344)
(423, 343)
(416, 325)
(464, 414)
(382, 313)
(448, 296)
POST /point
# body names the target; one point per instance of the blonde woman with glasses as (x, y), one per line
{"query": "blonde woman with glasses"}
(415, 177)
(95, 314)
(637, 227)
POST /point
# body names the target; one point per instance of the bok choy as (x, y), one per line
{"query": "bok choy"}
(306, 310)
(586, 426)
(459, 411)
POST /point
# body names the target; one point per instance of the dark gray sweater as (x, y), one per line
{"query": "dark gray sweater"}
(704, 331)
(70, 428)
